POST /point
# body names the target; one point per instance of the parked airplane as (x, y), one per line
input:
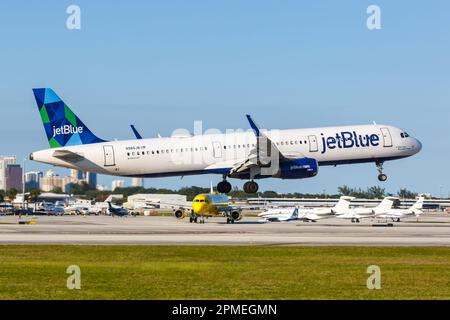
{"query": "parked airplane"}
(205, 206)
(116, 210)
(414, 211)
(360, 213)
(285, 154)
(280, 214)
(315, 214)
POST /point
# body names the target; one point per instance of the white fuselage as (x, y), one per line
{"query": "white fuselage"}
(218, 153)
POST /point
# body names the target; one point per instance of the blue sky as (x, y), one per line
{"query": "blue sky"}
(164, 64)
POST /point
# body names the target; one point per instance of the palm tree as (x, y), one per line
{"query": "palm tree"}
(11, 194)
(34, 195)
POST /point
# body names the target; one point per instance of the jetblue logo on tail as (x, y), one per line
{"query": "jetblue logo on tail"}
(346, 139)
(66, 129)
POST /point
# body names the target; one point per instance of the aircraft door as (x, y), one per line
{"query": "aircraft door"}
(313, 146)
(109, 156)
(217, 149)
(387, 138)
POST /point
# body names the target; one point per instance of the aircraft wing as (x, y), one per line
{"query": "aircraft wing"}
(173, 205)
(67, 155)
(314, 217)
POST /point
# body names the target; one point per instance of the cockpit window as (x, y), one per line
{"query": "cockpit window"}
(404, 135)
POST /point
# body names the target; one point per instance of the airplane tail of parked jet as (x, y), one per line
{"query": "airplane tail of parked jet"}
(62, 126)
(343, 205)
(385, 205)
(418, 206)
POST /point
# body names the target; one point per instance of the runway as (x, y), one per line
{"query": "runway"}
(431, 230)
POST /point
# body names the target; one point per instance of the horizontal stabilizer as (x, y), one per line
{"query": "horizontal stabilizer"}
(67, 155)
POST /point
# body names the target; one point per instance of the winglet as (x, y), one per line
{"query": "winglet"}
(253, 125)
(136, 133)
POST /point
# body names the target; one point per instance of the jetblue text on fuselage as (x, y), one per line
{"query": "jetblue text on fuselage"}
(347, 139)
(66, 129)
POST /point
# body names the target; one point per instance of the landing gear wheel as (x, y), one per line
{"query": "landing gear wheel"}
(224, 187)
(381, 176)
(196, 219)
(251, 187)
(228, 220)
(191, 219)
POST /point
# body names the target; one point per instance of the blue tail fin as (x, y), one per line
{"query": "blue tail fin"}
(62, 126)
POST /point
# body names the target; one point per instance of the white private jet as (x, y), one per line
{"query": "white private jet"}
(284, 154)
(397, 214)
(361, 213)
(315, 214)
(280, 214)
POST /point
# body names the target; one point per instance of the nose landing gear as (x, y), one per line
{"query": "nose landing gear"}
(381, 176)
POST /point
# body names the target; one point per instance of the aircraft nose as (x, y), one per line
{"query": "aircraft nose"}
(417, 145)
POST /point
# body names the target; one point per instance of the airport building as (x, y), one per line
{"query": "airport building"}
(154, 200)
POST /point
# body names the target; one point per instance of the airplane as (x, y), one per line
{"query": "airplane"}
(251, 155)
(280, 215)
(315, 214)
(115, 210)
(205, 206)
(360, 213)
(397, 214)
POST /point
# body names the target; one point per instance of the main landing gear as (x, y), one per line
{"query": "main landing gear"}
(251, 187)
(224, 187)
(195, 219)
(381, 176)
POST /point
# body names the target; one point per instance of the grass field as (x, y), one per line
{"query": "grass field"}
(207, 272)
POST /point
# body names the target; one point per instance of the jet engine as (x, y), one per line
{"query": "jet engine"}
(180, 214)
(298, 169)
(236, 215)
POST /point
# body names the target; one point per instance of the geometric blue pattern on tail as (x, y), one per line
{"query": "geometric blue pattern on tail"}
(62, 126)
